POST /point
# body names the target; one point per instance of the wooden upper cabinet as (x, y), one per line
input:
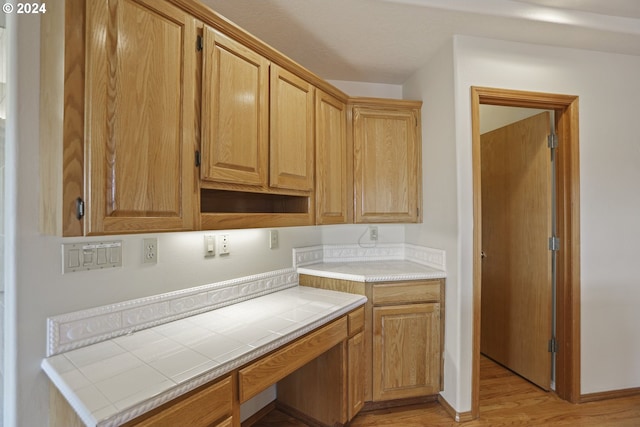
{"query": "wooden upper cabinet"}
(334, 175)
(292, 131)
(235, 112)
(387, 160)
(140, 117)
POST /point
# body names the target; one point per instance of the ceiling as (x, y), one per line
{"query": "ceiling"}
(385, 41)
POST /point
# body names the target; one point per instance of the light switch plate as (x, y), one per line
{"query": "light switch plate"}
(91, 256)
(209, 246)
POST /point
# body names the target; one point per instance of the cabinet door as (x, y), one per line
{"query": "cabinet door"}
(235, 112)
(292, 121)
(406, 351)
(140, 129)
(333, 170)
(355, 355)
(387, 164)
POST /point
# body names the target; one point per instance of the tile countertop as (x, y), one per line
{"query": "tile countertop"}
(118, 379)
(379, 263)
(373, 271)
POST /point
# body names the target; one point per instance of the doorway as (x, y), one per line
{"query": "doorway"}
(517, 324)
(565, 108)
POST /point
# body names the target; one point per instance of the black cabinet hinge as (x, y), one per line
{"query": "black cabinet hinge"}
(79, 208)
(197, 158)
(199, 43)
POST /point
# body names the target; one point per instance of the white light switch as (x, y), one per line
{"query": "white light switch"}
(91, 255)
(209, 246)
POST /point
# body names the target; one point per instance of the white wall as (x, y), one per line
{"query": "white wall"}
(375, 90)
(609, 92)
(434, 84)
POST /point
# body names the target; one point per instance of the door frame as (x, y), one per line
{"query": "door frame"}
(568, 230)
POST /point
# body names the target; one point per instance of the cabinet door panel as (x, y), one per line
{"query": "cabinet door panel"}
(292, 129)
(235, 112)
(356, 370)
(406, 351)
(140, 136)
(387, 165)
(333, 179)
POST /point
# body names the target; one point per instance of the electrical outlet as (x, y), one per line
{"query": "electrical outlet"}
(223, 244)
(373, 232)
(273, 239)
(150, 250)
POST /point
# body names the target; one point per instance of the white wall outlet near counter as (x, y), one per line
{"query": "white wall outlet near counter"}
(223, 244)
(373, 232)
(150, 250)
(274, 241)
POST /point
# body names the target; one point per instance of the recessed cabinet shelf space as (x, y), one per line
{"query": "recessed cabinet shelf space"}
(149, 138)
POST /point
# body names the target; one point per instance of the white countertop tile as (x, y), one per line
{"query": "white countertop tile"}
(378, 271)
(116, 380)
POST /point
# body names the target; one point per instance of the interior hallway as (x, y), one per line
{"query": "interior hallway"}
(505, 400)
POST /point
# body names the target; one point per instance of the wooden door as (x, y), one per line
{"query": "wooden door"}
(516, 226)
(387, 164)
(140, 110)
(235, 112)
(406, 351)
(292, 131)
(333, 170)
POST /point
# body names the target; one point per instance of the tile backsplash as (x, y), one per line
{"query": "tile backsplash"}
(73, 330)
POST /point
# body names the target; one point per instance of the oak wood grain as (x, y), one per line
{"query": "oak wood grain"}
(139, 138)
(235, 109)
(387, 161)
(269, 370)
(334, 171)
(292, 120)
(516, 226)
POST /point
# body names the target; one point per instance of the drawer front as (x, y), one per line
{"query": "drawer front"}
(274, 367)
(200, 409)
(356, 321)
(406, 292)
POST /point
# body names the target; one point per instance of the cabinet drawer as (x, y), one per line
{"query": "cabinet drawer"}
(274, 367)
(200, 409)
(356, 321)
(406, 292)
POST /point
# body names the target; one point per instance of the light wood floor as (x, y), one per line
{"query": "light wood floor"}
(505, 400)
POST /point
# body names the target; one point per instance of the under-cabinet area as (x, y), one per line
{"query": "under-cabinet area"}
(180, 120)
(198, 370)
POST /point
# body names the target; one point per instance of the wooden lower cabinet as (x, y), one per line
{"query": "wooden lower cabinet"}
(402, 338)
(406, 351)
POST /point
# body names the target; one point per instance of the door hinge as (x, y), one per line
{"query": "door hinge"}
(552, 141)
(197, 158)
(79, 208)
(199, 43)
(553, 345)
(554, 243)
